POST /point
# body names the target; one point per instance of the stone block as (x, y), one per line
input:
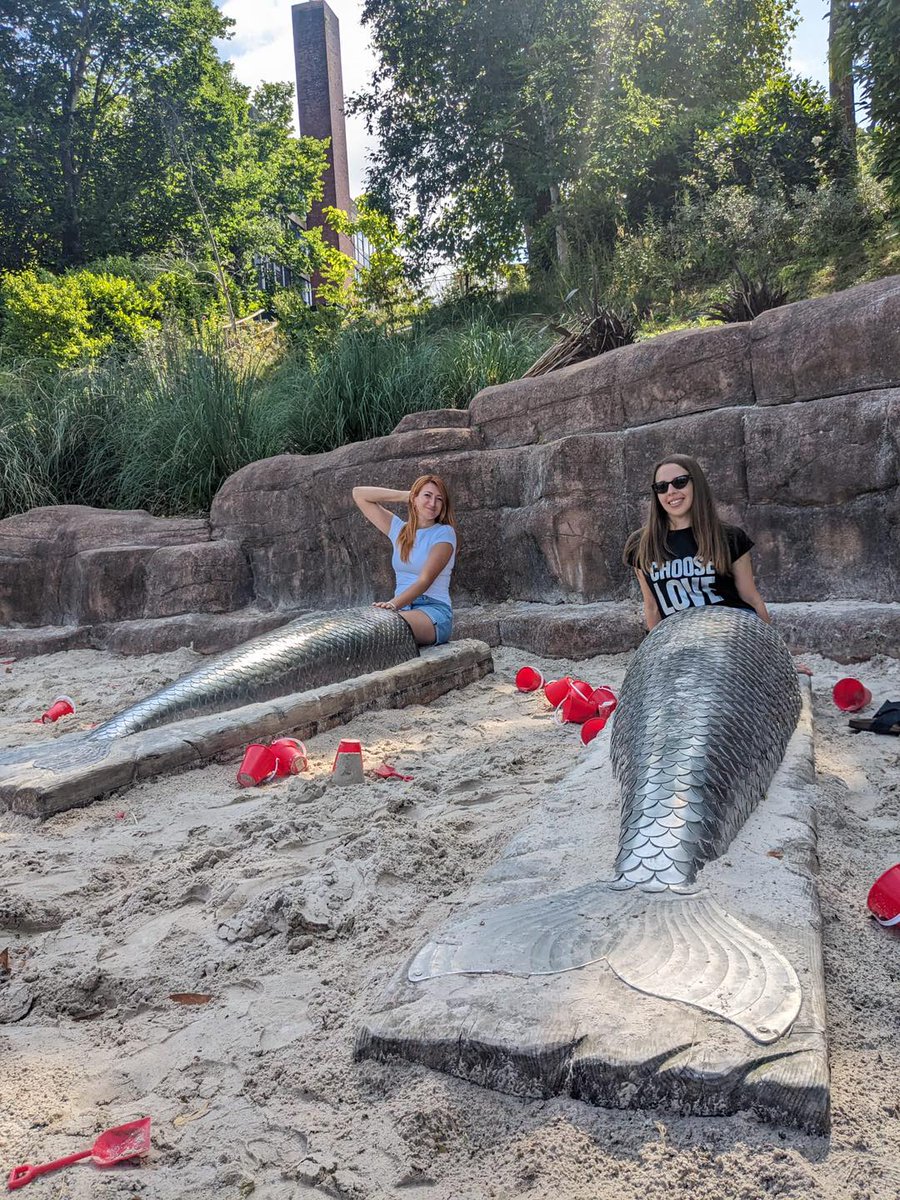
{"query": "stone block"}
(22, 597)
(689, 371)
(574, 631)
(576, 399)
(823, 452)
(50, 588)
(210, 577)
(566, 543)
(848, 631)
(65, 528)
(847, 342)
(846, 551)
(482, 572)
(106, 585)
(434, 418)
(528, 554)
(45, 639)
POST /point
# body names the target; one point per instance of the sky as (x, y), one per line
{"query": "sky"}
(262, 49)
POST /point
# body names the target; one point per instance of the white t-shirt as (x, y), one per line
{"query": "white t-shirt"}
(408, 572)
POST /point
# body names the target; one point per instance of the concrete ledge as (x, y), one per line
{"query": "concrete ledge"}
(583, 1032)
(207, 633)
(555, 630)
(39, 792)
(845, 630)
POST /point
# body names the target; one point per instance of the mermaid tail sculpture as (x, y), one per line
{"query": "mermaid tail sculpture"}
(706, 711)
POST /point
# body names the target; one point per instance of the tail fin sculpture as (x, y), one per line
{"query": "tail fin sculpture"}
(676, 946)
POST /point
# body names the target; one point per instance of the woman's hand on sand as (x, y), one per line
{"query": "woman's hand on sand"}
(802, 669)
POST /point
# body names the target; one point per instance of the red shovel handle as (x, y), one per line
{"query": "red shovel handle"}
(19, 1176)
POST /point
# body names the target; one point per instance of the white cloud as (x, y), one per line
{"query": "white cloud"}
(262, 48)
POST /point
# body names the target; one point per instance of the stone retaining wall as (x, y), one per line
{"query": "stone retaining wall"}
(796, 417)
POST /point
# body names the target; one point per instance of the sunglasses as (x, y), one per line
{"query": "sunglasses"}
(679, 482)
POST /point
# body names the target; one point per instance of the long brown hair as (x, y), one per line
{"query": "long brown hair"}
(648, 545)
(408, 532)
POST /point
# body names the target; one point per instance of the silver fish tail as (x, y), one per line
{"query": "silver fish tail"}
(314, 650)
(707, 708)
(705, 714)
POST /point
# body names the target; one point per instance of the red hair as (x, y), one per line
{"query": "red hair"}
(410, 529)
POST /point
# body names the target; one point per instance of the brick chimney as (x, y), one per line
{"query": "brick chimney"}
(320, 105)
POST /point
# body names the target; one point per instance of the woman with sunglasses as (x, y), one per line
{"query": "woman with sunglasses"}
(685, 557)
(424, 553)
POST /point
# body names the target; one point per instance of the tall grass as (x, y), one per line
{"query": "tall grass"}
(163, 428)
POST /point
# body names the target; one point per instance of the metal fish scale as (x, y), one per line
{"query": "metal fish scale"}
(314, 650)
(706, 711)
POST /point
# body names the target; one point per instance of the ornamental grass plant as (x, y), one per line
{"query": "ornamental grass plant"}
(163, 426)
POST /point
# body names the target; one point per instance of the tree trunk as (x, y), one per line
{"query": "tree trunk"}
(840, 73)
(562, 242)
(70, 231)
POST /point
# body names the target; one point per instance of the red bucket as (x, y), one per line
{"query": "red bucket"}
(577, 706)
(62, 706)
(290, 756)
(884, 897)
(529, 680)
(604, 699)
(850, 695)
(591, 728)
(259, 765)
(557, 690)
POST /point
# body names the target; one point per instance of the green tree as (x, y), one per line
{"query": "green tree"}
(122, 132)
(87, 84)
(270, 188)
(876, 33)
(477, 108)
(780, 138)
(492, 117)
(380, 286)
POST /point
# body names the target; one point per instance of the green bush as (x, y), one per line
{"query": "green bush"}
(46, 319)
(783, 137)
(72, 318)
(174, 289)
(839, 215)
(119, 313)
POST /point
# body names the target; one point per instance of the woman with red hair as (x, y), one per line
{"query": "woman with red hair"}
(424, 553)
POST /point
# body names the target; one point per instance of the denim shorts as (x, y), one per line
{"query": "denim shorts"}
(441, 615)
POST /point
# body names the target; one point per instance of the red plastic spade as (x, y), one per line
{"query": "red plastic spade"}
(386, 771)
(114, 1146)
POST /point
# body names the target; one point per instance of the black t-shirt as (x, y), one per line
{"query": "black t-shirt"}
(684, 581)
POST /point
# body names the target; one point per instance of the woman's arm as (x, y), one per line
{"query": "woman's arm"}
(438, 557)
(651, 608)
(371, 501)
(742, 569)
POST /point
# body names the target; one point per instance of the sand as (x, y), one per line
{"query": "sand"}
(291, 905)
